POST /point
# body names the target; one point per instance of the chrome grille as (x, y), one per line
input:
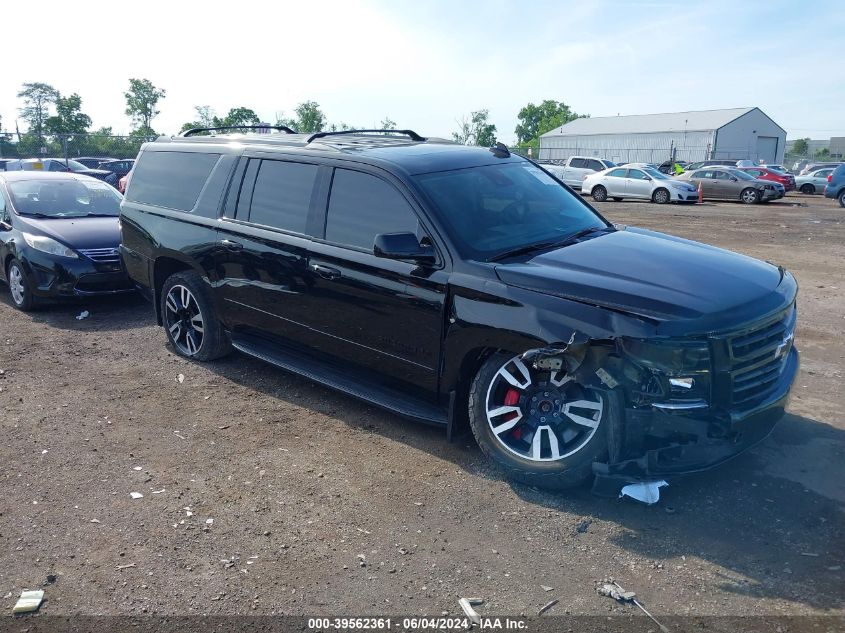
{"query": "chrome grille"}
(102, 255)
(758, 358)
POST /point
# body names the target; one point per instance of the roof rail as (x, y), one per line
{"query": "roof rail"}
(197, 130)
(409, 133)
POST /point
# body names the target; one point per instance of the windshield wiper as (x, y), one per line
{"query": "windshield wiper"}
(100, 215)
(522, 250)
(579, 234)
(36, 214)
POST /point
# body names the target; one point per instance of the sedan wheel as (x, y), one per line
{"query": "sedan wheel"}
(749, 196)
(19, 287)
(661, 196)
(599, 193)
(808, 189)
(543, 427)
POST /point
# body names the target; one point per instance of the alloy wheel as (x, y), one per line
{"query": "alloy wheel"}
(16, 285)
(749, 196)
(661, 196)
(183, 320)
(541, 416)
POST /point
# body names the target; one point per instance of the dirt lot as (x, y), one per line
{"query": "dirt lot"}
(300, 481)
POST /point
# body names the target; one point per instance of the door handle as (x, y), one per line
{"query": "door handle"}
(326, 272)
(232, 246)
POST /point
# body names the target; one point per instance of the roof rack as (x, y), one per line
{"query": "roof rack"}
(409, 133)
(197, 130)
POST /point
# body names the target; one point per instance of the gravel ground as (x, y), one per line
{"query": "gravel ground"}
(264, 493)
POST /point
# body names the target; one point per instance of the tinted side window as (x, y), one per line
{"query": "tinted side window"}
(361, 206)
(172, 180)
(636, 174)
(577, 162)
(617, 173)
(594, 165)
(282, 195)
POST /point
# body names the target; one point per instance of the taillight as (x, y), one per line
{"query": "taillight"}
(830, 177)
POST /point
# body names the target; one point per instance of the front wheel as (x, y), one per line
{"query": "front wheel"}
(842, 198)
(187, 313)
(543, 428)
(749, 196)
(808, 189)
(19, 287)
(661, 196)
(599, 193)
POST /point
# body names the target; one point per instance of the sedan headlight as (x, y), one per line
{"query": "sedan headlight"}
(49, 245)
(673, 358)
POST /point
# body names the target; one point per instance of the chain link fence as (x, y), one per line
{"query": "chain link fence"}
(70, 146)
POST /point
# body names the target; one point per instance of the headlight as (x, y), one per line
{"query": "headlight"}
(673, 358)
(49, 245)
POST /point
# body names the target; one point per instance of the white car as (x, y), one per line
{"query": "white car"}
(573, 170)
(644, 183)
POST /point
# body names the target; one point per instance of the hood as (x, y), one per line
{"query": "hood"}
(78, 233)
(656, 276)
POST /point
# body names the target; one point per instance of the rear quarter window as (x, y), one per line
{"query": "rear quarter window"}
(172, 180)
(577, 162)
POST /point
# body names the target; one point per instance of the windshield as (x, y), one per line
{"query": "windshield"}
(740, 174)
(64, 198)
(493, 209)
(655, 174)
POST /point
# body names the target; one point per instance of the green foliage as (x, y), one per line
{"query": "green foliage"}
(476, 131)
(823, 153)
(387, 124)
(206, 117)
(535, 120)
(37, 98)
(141, 100)
(68, 119)
(309, 118)
(801, 146)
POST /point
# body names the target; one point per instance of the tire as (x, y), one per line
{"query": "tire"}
(842, 198)
(617, 199)
(599, 193)
(187, 313)
(661, 196)
(749, 196)
(19, 287)
(571, 464)
(808, 189)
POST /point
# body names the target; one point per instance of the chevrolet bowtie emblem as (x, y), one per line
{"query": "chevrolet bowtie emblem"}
(784, 346)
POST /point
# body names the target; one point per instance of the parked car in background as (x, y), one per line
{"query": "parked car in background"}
(766, 173)
(92, 162)
(672, 168)
(118, 167)
(730, 162)
(814, 182)
(4, 162)
(59, 237)
(836, 185)
(814, 166)
(780, 168)
(57, 165)
(576, 168)
(124, 182)
(721, 183)
(643, 183)
(449, 283)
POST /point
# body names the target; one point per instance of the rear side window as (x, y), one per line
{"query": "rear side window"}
(361, 206)
(577, 162)
(617, 173)
(595, 165)
(282, 195)
(172, 180)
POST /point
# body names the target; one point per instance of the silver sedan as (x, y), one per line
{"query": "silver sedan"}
(814, 182)
(645, 183)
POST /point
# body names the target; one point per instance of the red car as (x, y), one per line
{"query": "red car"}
(766, 173)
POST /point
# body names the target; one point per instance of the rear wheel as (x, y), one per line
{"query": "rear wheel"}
(615, 199)
(19, 287)
(842, 198)
(187, 312)
(543, 428)
(661, 196)
(808, 189)
(599, 193)
(749, 196)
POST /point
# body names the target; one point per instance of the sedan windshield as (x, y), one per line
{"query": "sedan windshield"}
(64, 198)
(497, 209)
(655, 174)
(740, 174)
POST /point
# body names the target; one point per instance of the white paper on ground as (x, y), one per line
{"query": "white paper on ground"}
(29, 601)
(646, 491)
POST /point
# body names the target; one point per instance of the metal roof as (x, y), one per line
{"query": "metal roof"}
(699, 120)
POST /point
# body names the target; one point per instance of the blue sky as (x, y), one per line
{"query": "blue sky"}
(426, 64)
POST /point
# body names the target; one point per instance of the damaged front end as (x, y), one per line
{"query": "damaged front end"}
(685, 404)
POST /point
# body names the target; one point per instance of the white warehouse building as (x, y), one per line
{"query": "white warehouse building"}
(736, 133)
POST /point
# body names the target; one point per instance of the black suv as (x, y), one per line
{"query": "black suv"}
(462, 285)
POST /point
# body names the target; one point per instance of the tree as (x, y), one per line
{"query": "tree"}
(68, 119)
(37, 98)
(801, 146)
(476, 130)
(387, 124)
(309, 118)
(823, 153)
(141, 100)
(238, 116)
(535, 120)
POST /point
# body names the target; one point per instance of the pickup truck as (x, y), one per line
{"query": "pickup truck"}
(576, 168)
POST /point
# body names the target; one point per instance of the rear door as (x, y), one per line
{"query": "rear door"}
(706, 178)
(575, 172)
(614, 182)
(375, 313)
(263, 244)
(819, 178)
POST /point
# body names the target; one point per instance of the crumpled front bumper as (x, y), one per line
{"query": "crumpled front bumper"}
(701, 448)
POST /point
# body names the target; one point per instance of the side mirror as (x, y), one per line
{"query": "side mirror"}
(402, 246)
(648, 177)
(734, 178)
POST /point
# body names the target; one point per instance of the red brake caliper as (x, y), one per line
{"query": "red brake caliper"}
(512, 399)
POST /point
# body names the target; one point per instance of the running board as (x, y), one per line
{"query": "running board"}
(302, 364)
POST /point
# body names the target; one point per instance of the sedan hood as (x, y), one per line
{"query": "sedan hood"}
(78, 233)
(659, 277)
